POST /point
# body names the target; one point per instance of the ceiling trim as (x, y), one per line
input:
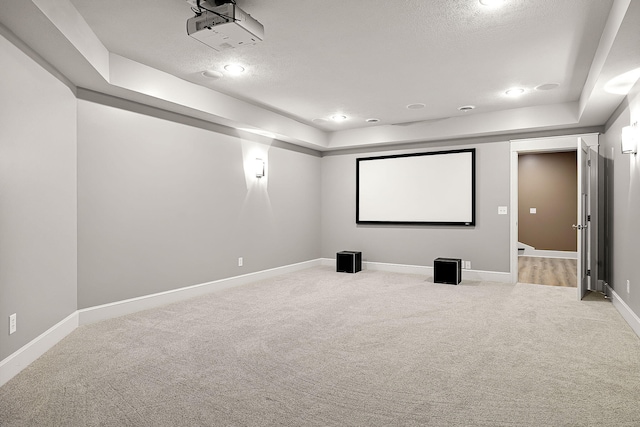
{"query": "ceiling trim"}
(118, 76)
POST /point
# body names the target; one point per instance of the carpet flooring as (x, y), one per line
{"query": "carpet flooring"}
(320, 348)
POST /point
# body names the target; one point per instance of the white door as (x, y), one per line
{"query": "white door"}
(586, 226)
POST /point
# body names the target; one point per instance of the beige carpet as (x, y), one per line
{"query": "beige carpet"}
(319, 348)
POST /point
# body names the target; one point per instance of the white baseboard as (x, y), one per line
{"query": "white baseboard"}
(133, 305)
(19, 360)
(490, 276)
(16, 362)
(550, 254)
(625, 311)
(531, 251)
(487, 276)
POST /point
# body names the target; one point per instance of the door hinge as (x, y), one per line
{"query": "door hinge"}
(588, 217)
(589, 162)
(588, 272)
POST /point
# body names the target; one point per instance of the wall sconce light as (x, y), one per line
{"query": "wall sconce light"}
(259, 168)
(629, 140)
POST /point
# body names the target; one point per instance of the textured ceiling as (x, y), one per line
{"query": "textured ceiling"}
(362, 58)
(371, 58)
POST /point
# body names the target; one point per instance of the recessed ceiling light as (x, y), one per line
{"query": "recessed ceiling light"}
(491, 3)
(234, 68)
(466, 108)
(338, 117)
(515, 91)
(548, 86)
(372, 120)
(212, 74)
(416, 106)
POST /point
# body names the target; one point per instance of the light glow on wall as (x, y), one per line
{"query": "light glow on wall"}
(622, 84)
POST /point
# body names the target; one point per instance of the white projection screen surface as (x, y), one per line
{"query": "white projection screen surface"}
(433, 188)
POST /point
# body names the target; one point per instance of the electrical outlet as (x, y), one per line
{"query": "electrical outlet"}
(12, 323)
(240, 262)
(628, 287)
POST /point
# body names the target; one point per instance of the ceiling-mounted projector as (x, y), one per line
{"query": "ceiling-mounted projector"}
(223, 26)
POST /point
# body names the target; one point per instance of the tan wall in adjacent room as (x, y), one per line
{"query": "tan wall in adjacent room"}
(548, 182)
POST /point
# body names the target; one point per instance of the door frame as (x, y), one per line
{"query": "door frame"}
(541, 145)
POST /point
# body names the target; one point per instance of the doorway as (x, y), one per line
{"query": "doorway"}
(547, 208)
(585, 226)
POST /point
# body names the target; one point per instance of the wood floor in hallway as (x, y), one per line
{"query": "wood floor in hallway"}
(548, 271)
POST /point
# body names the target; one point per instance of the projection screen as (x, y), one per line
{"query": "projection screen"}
(432, 188)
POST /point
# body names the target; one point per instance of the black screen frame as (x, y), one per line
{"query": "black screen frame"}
(470, 223)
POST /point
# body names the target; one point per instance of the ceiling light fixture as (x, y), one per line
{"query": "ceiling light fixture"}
(415, 106)
(466, 108)
(548, 86)
(338, 117)
(234, 68)
(372, 120)
(515, 91)
(212, 74)
(491, 3)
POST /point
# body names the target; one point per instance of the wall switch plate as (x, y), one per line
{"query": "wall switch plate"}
(240, 262)
(628, 287)
(467, 265)
(502, 210)
(532, 210)
(12, 323)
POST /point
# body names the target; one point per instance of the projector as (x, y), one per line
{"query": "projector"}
(223, 27)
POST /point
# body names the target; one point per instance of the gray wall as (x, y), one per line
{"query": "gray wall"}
(163, 205)
(622, 206)
(486, 245)
(37, 199)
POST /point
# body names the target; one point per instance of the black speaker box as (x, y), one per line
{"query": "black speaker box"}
(447, 270)
(348, 262)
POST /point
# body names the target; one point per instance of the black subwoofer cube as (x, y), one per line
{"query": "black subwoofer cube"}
(447, 270)
(348, 262)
